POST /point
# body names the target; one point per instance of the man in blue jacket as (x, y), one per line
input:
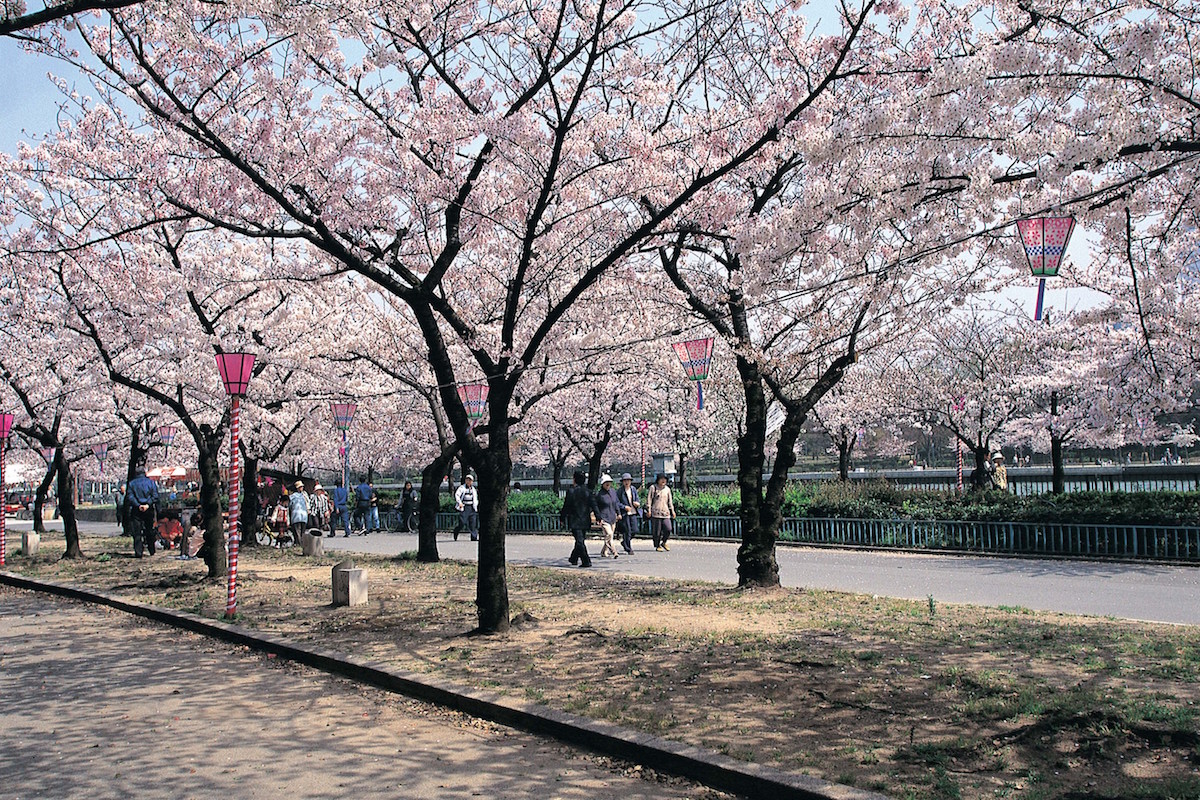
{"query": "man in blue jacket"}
(341, 510)
(141, 511)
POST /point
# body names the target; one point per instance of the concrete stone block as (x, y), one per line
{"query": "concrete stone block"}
(349, 584)
(30, 542)
(312, 545)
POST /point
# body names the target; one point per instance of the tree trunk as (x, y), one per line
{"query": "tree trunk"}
(980, 479)
(558, 462)
(66, 505)
(1058, 472)
(683, 487)
(215, 557)
(757, 565)
(39, 499)
(427, 508)
(137, 453)
(593, 462)
(494, 466)
(250, 502)
(844, 446)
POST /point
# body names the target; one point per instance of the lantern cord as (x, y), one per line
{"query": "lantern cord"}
(1037, 312)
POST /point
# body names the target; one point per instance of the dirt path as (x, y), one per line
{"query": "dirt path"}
(102, 705)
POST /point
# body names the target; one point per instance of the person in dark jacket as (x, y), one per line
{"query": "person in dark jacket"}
(607, 509)
(631, 510)
(408, 507)
(141, 511)
(576, 514)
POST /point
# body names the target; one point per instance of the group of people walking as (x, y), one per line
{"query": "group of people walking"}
(320, 512)
(616, 511)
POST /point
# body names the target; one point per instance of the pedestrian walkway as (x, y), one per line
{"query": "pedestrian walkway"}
(99, 704)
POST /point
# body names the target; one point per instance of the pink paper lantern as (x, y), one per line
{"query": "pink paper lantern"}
(474, 398)
(343, 414)
(235, 369)
(6, 423)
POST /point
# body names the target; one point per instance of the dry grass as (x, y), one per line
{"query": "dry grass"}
(906, 698)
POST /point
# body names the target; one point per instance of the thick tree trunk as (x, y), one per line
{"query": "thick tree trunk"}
(682, 465)
(39, 500)
(215, 557)
(66, 506)
(1058, 472)
(427, 508)
(757, 565)
(844, 446)
(557, 464)
(593, 462)
(250, 502)
(980, 479)
(495, 475)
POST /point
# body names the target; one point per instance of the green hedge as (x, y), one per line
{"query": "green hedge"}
(879, 500)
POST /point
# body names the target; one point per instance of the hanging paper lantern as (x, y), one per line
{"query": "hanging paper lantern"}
(166, 435)
(343, 414)
(696, 357)
(474, 398)
(1045, 240)
(100, 451)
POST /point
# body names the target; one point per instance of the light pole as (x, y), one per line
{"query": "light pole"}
(343, 415)
(6, 422)
(235, 369)
(643, 427)
(166, 435)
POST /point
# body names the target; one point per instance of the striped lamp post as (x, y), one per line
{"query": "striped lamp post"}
(343, 416)
(6, 422)
(643, 427)
(235, 369)
(960, 486)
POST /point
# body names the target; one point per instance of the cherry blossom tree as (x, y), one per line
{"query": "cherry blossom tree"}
(489, 166)
(862, 401)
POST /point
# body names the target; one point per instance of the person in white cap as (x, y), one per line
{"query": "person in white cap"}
(607, 509)
(998, 474)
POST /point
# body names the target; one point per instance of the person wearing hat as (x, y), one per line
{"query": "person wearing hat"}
(607, 509)
(298, 510)
(466, 500)
(319, 509)
(631, 511)
(576, 515)
(662, 512)
(998, 474)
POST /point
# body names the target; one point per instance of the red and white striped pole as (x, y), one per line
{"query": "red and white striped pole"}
(3, 502)
(6, 421)
(236, 369)
(234, 488)
(960, 486)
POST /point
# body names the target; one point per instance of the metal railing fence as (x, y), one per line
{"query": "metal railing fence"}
(1149, 542)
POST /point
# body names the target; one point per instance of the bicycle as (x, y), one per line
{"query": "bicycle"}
(266, 536)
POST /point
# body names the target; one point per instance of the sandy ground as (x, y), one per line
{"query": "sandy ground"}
(100, 704)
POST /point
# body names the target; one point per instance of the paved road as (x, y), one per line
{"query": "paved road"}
(99, 704)
(1130, 591)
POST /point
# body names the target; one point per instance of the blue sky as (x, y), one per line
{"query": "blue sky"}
(28, 100)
